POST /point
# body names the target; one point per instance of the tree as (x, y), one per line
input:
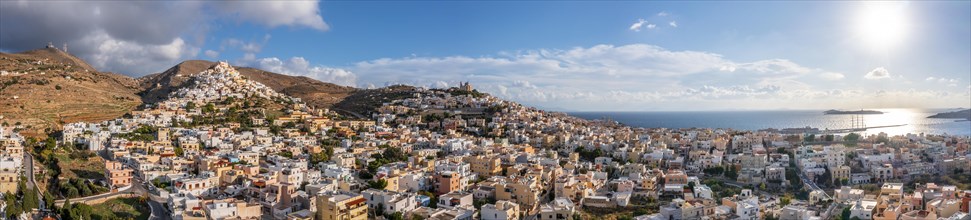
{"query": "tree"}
(209, 108)
(714, 170)
(432, 198)
(319, 157)
(731, 173)
(73, 192)
(793, 177)
(179, 151)
(378, 184)
(379, 211)
(852, 137)
(30, 200)
(66, 208)
(286, 154)
(785, 200)
(810, 138)
(190, 106)
(48, 199)
(50, 143)
(80, 211)
(394, 154)
(13, 206)
(826, 178)
(397, 216)
(846, 213)
(480, 202)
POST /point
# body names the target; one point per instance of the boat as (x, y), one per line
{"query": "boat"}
(859, 112)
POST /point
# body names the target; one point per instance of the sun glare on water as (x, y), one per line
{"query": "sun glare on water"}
(882, 25)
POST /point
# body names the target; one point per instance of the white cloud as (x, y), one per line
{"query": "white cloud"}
(109, 33)
(832, 75)
(212, 54)
(941, 80)
(128, 56)
(673, 24)
(247, 58)
(603, 77)
(651, 26)
(637, 25)
(774, 67)
(251, 47)
(633, 77)
(298, 66)
(662, 14)
(878, 73)
(276, 13)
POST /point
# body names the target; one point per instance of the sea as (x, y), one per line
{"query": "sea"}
(899, 121)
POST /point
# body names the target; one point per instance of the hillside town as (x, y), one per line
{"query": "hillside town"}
(226, 147)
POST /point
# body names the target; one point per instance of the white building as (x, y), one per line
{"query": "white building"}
(502, 210)
(390, 201)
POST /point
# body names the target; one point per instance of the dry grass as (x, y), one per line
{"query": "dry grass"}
(63, 94)
(88, 168)
(121, 208)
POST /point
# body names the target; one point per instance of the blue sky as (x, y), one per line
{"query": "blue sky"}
(625, 56)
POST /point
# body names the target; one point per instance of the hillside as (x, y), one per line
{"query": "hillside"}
(962, 114)
(157, 86)
(44, 88)
(365, 101)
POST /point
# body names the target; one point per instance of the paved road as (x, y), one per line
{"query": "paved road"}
(95, 197)
(828, 214)
(158, 211)
(29, 163)
(136, 189)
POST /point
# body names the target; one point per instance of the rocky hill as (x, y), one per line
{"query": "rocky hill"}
(962, 114)
(44, 88)
(157, 86)
(365, 101)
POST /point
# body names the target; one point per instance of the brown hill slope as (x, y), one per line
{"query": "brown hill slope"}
(44, 88)
(157, 86)
(365, 101)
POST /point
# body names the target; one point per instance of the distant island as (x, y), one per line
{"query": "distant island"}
(841, 112)
(963, 114)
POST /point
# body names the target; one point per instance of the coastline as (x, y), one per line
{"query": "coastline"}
(893, 122)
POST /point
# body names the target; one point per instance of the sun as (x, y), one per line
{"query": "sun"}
(883, 25)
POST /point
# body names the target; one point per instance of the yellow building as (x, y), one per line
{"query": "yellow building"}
(118, 175)
(485, 166)
(339, 206)
(8, 181)
(523, 190)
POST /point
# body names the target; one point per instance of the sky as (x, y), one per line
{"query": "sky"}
(564, 56)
